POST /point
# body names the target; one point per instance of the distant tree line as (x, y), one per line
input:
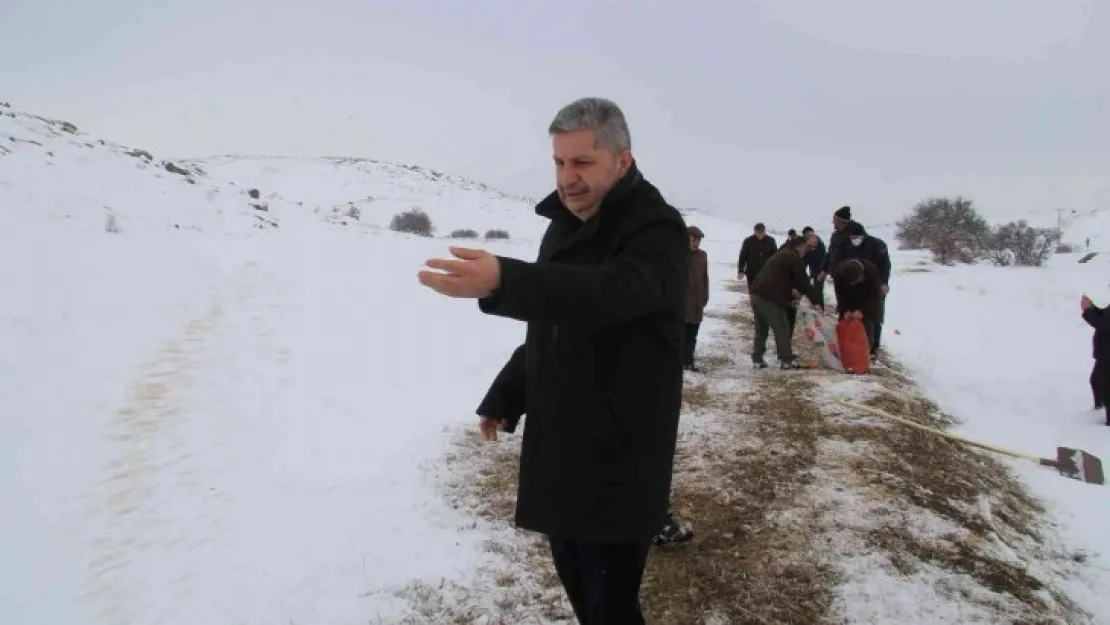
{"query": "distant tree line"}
(954, 232)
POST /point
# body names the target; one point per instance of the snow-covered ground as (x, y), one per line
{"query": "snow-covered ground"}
(224, 415)
(1005, 351)
(207, 422)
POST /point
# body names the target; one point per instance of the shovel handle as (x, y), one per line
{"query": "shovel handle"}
(948, 435)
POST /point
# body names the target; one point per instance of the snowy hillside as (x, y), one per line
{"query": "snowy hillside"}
(332, 187)
(216, 409)
(208, 419)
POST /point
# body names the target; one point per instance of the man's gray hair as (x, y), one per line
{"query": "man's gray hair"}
(602, 116)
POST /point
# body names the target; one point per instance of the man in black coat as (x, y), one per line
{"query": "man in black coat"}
(1099, 319)
(858, 286)
(600, 372)
(756, 249)
(866, 247)
(838, 241)
(815, 259)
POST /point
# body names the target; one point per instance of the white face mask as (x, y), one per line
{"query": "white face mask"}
(857, 241)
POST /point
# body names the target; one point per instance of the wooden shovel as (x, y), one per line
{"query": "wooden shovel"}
(1073, 463)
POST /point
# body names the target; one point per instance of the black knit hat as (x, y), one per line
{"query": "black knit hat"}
(855, 229)
(844, 212)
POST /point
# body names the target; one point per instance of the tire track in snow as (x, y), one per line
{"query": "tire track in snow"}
(154, 469)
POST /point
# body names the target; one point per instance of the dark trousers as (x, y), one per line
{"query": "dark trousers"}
(819, 286)
(771, 317)
(878, 325)
(792, 317)
(690, 343)
(1100, 387)
(602, 580)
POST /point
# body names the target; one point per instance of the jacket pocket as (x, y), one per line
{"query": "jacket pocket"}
(609, 437)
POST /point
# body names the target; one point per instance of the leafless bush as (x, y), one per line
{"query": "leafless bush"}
(1018, 243)
(414, 221)
(353, 212)
(497, 234)
(464, 233)
(950, 228)
(1065, 248)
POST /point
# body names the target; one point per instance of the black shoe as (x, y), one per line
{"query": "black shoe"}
(790, 364)
(759, 364)
(674, 533)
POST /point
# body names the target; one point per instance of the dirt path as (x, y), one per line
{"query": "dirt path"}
(803, 512)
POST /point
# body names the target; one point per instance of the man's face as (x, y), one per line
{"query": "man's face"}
(695, 243)
(584, 173)
(759, 234)
(811, 242)
(839, 224)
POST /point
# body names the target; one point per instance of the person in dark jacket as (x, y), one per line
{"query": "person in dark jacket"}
(857, 284)
(815, 259)
(599, 375)
(791, 236)
(754, 253)
(838, 240)
(1099, 319)
(866, 247)
(697, 295)
(772, 294)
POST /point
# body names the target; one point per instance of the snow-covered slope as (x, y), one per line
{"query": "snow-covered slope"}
(208, 419)
(215, 409)
(331, 187)
(1005, 351)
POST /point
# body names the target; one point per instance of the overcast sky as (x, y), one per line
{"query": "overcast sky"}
(780, 110)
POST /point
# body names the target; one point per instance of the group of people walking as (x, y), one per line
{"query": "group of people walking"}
(613, 304)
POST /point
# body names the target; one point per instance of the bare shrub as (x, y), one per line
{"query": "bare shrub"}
(1018, 243)
(464, 233)
(111, 225)
(950, 228)
(353, 212)
(413, 221)
(1065, 248)
(497, 234)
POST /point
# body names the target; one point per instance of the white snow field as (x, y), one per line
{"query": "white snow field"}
(216, 414)
(1005, 351)
(207, 422)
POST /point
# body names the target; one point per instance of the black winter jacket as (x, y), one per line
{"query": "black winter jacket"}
(755, 253)
(600, 372)
(1099, 319)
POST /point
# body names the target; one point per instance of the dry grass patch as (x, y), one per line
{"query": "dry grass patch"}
(991, 514)
(523, 588)
(752, 560)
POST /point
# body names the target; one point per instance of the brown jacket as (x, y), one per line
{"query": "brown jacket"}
(783, 273)
(697, 289)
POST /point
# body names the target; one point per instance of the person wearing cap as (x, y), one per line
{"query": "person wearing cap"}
(754, 253)
(771, 295)
(838, 241)
(697, 295)
(863, 246)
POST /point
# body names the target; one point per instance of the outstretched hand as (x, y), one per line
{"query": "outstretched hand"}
(489, 427)
(1085, 303)
(475, 274)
